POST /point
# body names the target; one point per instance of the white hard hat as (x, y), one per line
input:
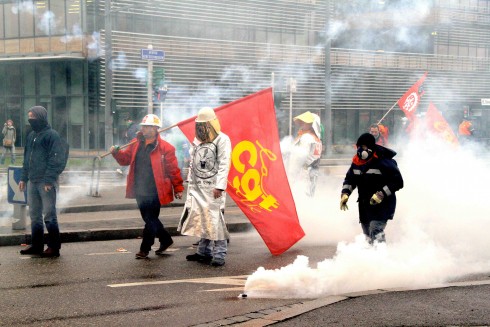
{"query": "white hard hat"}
(151, 120)
(205, 114)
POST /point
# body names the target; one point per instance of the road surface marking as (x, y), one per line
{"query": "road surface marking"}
(107, 253)
(230, 280)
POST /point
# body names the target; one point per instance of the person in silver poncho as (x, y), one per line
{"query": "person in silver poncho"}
(203, 215)
(307, 150)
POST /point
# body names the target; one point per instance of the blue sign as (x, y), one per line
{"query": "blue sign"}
(148, 54)
(14, 195)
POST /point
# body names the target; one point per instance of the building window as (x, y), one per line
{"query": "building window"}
(43, 18)
(29, 79)
(2, 35)
(57, 17)
(14, 80)
(59, 75)
(11, 22)
(26, 15)
(44, 74)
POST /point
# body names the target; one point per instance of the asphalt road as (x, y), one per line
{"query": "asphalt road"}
(81, 287)
(101, 283)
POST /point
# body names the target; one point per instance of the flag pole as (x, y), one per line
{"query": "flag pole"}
(134, 141)
(393, 106)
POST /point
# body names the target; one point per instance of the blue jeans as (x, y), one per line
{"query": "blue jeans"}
(374, 230)
(216, 249)
(42, 203)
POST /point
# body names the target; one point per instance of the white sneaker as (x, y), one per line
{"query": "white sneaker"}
(119, 171)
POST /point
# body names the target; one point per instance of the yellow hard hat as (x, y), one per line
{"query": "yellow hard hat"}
(151, 120)
(306, 117)
(205, 114)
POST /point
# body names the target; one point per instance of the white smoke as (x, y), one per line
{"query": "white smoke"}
(75, 34)
(438, 233)
(23, 6)
(93, 46)
(141, 75)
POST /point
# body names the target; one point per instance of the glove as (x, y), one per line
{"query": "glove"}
(343, 202)
(376, 198)
(115, 149)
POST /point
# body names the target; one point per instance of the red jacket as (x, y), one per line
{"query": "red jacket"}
(165, 169)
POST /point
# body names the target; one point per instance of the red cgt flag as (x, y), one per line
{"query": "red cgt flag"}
(439, 126)
(409, 102)
(257, 180)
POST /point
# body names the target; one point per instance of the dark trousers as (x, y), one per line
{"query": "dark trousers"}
(42, 203)
(150, 210)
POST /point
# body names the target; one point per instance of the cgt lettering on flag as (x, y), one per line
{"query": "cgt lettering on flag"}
(250, 174)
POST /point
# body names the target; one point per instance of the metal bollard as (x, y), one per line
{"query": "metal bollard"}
(19, 218)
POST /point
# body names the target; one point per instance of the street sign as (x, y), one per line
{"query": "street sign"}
(14, 195)
(148, 54)
(485, 102)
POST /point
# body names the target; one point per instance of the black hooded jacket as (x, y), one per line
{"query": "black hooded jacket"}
(380, 173)
(44, 155)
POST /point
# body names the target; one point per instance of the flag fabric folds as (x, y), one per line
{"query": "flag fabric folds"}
(257, 181)
(437, 125)
(409, 102)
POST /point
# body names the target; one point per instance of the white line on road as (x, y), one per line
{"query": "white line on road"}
(229, 280)
(107, 253)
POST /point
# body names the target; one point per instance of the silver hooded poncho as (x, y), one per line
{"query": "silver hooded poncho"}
(209, 168)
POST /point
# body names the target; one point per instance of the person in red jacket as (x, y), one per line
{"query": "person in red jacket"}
(154, 178)
(380, 133)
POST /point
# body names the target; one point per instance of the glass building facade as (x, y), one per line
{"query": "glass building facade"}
(351, 61)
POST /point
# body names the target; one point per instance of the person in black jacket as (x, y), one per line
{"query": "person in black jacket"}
(376, 175)
(44, 158)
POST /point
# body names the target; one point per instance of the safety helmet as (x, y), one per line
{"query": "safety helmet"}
(207, 125)
(206, 114)
(151, 120)
(306, 117)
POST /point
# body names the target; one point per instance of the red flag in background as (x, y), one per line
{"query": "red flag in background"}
(257, 180)
(439, 126)
(409, 102)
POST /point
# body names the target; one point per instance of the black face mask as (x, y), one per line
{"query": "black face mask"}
(36, 124)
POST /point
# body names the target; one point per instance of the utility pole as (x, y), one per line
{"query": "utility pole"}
(150, 83)
(292, 89)
(108, 119)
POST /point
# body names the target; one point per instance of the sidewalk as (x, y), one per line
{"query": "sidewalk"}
(108, 217)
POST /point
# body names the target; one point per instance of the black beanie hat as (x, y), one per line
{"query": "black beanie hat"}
(367, 140)
(39, 112)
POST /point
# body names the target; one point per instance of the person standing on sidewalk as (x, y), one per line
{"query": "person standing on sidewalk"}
(44, 161)
(9, 136)
(154, 179)
(203, 215)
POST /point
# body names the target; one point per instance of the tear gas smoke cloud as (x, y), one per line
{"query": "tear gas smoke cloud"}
(402, 15)
(93, 45)
(24, 6)
(76, 34)
(439, 232)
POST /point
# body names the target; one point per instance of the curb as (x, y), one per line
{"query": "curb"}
(110, 207)
(103, 234)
